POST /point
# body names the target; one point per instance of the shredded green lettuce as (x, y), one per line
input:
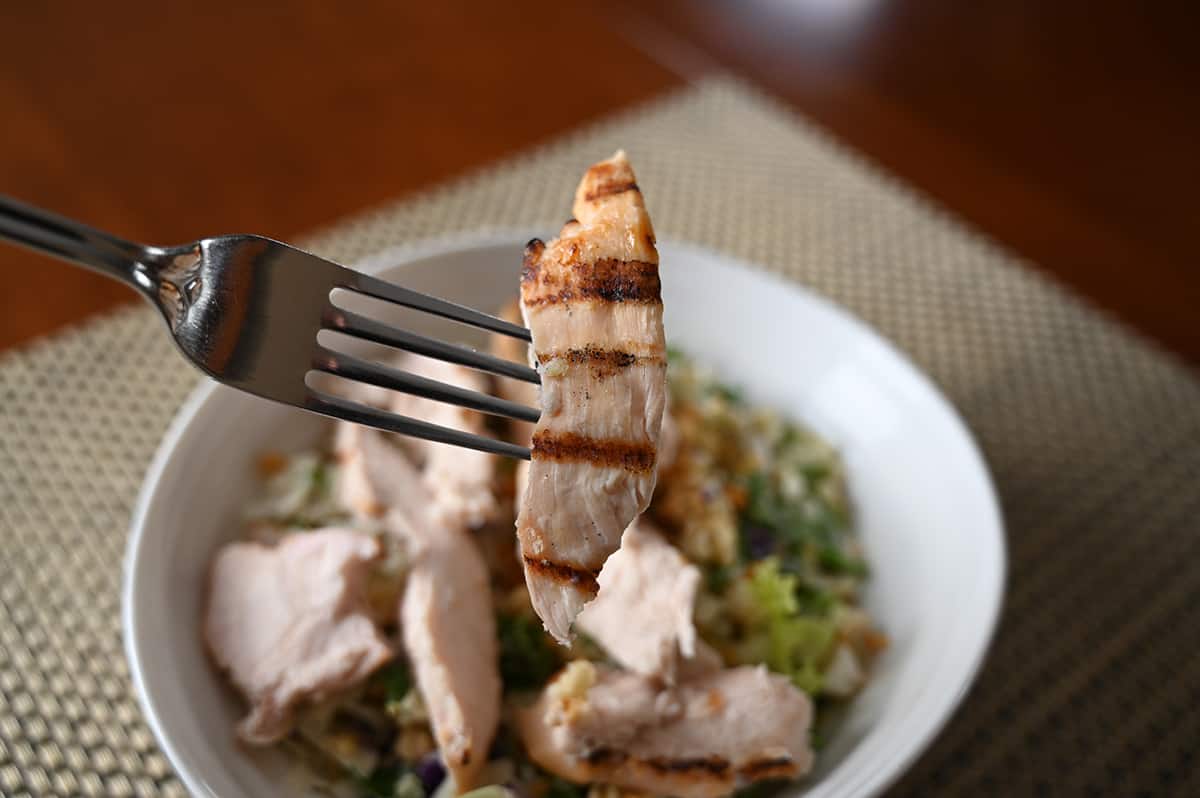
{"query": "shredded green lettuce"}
(795, 644)
(763, 619)
(396, 680)
(301, 494)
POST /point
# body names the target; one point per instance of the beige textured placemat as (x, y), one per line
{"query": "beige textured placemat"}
(1093, 684)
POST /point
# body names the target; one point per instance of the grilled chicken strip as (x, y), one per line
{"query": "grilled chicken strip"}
(701, 739)
(290, 623)
(643, 614)
(668, 441)
(592, 300)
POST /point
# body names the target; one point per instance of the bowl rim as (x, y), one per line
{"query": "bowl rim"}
(876, 781)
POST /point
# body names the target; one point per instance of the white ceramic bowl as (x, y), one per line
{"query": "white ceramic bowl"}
(925, 508)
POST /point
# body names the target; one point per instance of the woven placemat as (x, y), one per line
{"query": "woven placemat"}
(1094, 439)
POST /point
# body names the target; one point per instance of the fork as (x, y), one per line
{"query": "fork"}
(246, 310)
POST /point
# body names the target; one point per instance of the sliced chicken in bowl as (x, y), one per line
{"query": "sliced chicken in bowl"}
(290, 623)
(700, 739)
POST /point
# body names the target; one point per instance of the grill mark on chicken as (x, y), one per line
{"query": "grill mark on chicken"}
(636, 733)
(534, 248)
(712, 765)
(608, 179)
(602, 362)
(696, 767)
(609, 189)
(606, 280)
(573, 448)
(605, 756)
(778, 767)
(643, 351)
(582, 578)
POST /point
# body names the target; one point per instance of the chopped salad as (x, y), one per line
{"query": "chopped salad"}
(753, 501)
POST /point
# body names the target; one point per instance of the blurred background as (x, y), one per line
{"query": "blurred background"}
(1066, 131)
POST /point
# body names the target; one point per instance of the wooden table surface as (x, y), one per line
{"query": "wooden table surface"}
(1068, 131)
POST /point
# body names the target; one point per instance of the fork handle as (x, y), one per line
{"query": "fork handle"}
(49, 233)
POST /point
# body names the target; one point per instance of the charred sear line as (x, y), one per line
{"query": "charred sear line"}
(606, 280)
(582, 578)
(774, 766)
(614, 358)
(609, 189)
(602, 362)
(531, 265)
(572, 448)
(605, 756)
(709, 765)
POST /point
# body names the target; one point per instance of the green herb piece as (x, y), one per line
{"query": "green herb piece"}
(390, 781)
(762, 506)
(838, 563)
(319, 479)
(807, 532)
(527, 655)
(730, 394)
(816, 472)
(814, 600)
(396, 680)
(717, 577)
(561, 788)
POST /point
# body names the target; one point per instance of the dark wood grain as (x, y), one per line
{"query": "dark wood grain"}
(1069, 131)
(166, 122)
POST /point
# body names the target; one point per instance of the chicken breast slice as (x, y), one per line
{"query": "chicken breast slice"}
(458, 479)
(446, 616)
(375, 474)
(643, 613)
(450, 635)
(592, 300)
(447, 624)
(669, 441)
(700, 739)
(290, 623)
(376, 466)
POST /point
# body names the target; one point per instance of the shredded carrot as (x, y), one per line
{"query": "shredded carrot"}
(875, 641)
(271, 463)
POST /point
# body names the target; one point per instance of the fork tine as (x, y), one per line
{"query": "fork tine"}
(350, 367)
(336, 407)
(373, 286)
(358, 326)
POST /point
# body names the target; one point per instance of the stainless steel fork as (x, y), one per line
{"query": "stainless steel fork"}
(246, 310)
